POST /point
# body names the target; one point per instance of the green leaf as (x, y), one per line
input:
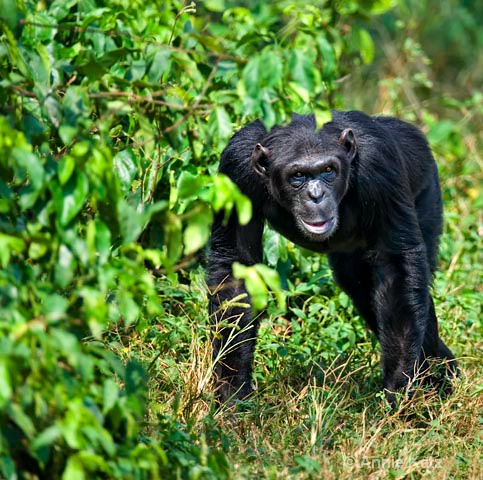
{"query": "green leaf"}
(272, 62)
(366, 45)
(67, 133)
(302, 69)
(381, 6)
(37, 250)
(134, 219)
(272, 279)
(76, 106)
(94, 68)
(110, 395)
(102, 242)
(137, 71)
(128, 307)
(74, 469)
(54, 307)
(271, 246)
(8, 245)
(220, 123)
(254, 284)
(197, 232)
(441, 131)
(189, 185)
(70, 199)
(329, 60)
(64, 269)
(54, 111)
(300, 91)
(159, 65)
(16, 413)
(9, 13)
(135, 380)
(223, 193)
(173, 237)
(214, 5)
(344, 299)
(65, 168)
(244, 208)
(46, 437)
(131, 221)
(31, 163)
(125, 165)
(269, 275)
(252, 77)
(5, 382)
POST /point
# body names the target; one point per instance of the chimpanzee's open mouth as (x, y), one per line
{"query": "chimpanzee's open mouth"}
(319, 227)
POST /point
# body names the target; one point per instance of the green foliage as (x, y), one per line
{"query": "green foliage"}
(113, 116)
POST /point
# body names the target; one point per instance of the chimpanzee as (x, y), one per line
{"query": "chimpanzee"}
(362, 189)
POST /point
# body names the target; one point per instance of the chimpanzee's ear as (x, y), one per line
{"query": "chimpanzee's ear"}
(348, 140)
(260, 158)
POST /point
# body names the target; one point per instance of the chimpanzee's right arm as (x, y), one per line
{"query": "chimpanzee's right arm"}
(233, 345)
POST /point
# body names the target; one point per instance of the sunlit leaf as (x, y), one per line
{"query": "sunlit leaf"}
(197, 232)
(189, 185)
(366, 45)
(244, 209)
(5, 382)
(65, 168)
(254, 284)
(74, 470)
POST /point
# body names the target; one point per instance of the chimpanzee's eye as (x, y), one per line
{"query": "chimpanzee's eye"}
(329, 172)
(297, 179)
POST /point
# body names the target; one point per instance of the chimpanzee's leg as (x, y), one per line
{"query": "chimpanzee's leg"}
(354, 275)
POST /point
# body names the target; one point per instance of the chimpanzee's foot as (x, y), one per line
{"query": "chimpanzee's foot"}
(230, 385)
(227, 394)
(438, 373)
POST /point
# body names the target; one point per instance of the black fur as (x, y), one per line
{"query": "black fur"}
(365, 191)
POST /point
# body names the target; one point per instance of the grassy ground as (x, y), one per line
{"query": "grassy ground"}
(318, 411)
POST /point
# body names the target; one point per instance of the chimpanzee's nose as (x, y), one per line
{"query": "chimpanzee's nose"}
(315, 191)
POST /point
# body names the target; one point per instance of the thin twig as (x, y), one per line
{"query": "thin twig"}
(196, 104)
(142, 99)
(191, 8)
(22, 91)
(132, 97)
(77, 28)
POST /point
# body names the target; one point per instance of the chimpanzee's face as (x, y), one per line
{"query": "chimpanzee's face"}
(307, 174)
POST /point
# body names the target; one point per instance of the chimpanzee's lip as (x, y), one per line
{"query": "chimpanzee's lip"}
(319, 227)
